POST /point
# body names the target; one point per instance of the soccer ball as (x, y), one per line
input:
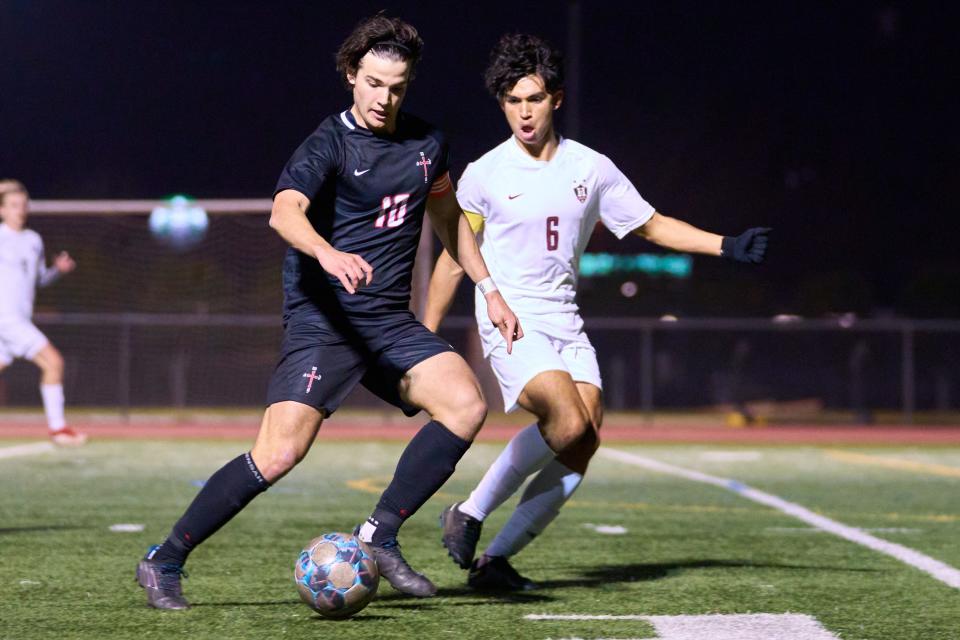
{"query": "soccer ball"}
(179, 222)
(336, 575)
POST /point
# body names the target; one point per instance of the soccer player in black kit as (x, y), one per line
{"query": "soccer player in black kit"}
(350, 202)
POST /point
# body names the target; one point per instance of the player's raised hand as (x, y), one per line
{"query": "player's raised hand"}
(64, 263)
(503, 318)
(749, 246)
(350, 269)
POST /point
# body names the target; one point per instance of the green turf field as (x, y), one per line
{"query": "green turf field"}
(686, 548)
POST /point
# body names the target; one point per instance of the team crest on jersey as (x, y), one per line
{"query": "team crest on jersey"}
(424, 162)
(581, 192)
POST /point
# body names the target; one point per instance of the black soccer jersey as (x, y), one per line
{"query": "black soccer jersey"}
(367, 196)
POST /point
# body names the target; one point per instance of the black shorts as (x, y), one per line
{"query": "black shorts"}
(323, 359)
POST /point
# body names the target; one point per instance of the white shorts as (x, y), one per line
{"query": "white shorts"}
(538, 351)
(19, 339)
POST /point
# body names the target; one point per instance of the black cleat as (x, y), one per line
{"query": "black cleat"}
(461, 533)
(496, 574)
(162, 583)
(401, 575)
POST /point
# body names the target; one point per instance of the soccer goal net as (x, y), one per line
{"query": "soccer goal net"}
(174, 303)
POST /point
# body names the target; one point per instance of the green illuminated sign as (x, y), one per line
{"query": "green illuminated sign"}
(676, 265)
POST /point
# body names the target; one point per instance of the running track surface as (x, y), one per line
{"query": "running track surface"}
(374, 429)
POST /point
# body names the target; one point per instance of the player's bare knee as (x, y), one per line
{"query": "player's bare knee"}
(52, 364)
(567, 431)
(276, 459)
(464, 414)
(592, 438)
(589, 442)
(473, 412)
(577, 456)
(597, 419)
(279, 461)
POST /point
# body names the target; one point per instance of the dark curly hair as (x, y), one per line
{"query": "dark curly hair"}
(390, 38)
(519, 55)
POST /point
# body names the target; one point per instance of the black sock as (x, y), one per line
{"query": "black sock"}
(224, 495)
(424, 466)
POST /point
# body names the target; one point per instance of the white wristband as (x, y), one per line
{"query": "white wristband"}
(486, 286)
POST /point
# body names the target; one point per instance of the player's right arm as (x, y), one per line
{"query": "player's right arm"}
(288, 217)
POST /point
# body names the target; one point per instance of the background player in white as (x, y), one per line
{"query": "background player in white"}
(534, 201)
(23, 268)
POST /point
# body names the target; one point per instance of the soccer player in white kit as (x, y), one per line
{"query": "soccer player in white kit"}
(534, 201)
(23, 268)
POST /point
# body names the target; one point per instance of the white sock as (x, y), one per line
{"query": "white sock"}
(526, 453)
(52, 395)
(366, 531)
(538, 507)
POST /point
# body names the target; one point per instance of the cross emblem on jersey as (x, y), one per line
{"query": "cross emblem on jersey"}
(424, 162)
(311, 376)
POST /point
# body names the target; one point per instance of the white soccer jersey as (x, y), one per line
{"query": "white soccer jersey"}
(22, 268)
(537, 220)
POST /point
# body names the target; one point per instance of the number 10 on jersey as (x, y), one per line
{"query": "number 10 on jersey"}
(393, 210)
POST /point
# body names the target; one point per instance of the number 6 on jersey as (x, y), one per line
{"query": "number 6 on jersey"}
(553, 235)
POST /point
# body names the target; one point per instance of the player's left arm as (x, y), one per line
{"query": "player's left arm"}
(444, 281)
(671, 233)
(453, 229)
(62, 264)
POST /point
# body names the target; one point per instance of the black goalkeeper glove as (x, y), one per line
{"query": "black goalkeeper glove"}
(749, 246)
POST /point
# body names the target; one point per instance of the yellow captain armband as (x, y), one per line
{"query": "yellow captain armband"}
(475, 220)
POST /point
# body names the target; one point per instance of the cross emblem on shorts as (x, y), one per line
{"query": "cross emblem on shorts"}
(311, 376)
(424, 162)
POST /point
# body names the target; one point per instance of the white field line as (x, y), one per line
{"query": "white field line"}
(606, 529)
(746, 626)
(939, 570)
(731, 456)
(26, 449)
(582, 616)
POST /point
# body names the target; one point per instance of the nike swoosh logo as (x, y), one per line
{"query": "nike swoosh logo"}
(516, 196)
(360, 173)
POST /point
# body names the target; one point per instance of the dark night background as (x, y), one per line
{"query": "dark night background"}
(835, 125)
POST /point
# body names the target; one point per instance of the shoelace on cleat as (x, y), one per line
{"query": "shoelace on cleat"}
(392, 548)
(169, 577)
